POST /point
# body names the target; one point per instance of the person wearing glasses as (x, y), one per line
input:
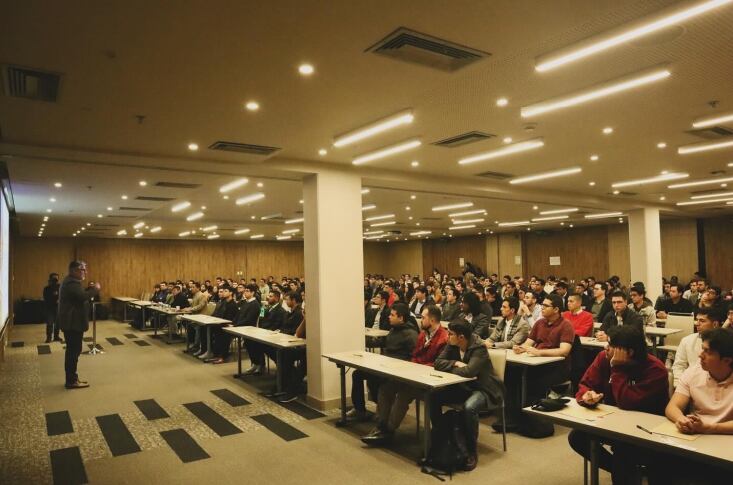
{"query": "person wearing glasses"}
(73, 319)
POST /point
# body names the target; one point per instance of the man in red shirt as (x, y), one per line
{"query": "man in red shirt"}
(395, 397)
(581, 320)
(622, 375)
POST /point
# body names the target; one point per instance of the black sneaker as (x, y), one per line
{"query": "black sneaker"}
(288, 398)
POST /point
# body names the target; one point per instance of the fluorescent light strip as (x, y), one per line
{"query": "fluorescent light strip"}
(421, 233)
(282, 238)
(700, 182)
(448, 207)
(138, 234)
(706, 201)
(257, 236)
(294, 221)
(467, 221)
(626, 33)
(386, 152)
(380, 224)
(712, 120)
(181, 206)
(549, 218)
(210, 228)
(364, 191)
(703, 147)
(651, 180)
(156, 229)
(546, 175)
(597, 91)
(138, 225)
(379, 218)
(250, 198)
(122, 232)
(458, 228)
(558, 211)
(271, 216)
(195, 216)
(233, 185)
(521, 146)
(604, 215)
(368, 207)
(708, 196)
(212, 236)
(512, 224)
(468, 213)
(184, 234)
(376, 237)
(403, 118)
(291, 231)
(371, 233)
(239, 232)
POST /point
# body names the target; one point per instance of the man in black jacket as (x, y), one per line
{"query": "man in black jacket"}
(378, 317)
(73, 319)
(422, 300)
(179, 299)
(249, 313)
(274, 314)
(621, 315)
(398, 344)
(51, 307)
(466, 356)
(226, 309)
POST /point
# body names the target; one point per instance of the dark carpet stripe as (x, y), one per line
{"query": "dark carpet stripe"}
(92, 346)
(44, 349)
(130, 335)
(300, 409)
(230, 398)
(279, 427)
(87, 339)
(141, 343)
(58, 423)
(67, 467)
(151, 409)
(17, 344)
(118, 437)
(184, 445)
(114, 341)
(218, 423)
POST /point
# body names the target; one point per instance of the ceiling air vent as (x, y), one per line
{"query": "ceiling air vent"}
(463, 139)
(142, 209)
(155, 199)
(229, 146)
(495, 175)
(711, 133)
(410, 46)
(177, 185)
(22, 82)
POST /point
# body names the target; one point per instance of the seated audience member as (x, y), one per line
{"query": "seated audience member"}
(581, 320)
(486, 308)
(510, 289)
(435, 293)
(378, 317)
(689, 348)
(451, 307)
(710, 298)
(494, 300)
(471, 313)
(511, 330)
(621, 315)
(161, 294)
(729, 321)
(198, 304)
(292, 373)
(465, 355)
(272, 315)
(248, 315)
(394, 397)
(585, 299)
(664, 296)
(239, 294)
(179, 299)
(692, 294)
(675, 303)
(561, 290)
(393, 297)
(538, 288)
(398, 344)
(421, 300)
(600, 306)
(529, 309)
(226, 309)
(622, 375)
(641, 306)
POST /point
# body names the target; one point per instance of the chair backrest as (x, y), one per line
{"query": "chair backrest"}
(209, 309)
(498, 362)
(147, 296)
(684, 322)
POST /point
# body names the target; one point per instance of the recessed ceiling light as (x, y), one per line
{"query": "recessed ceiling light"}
(712, 120)
(387, 151)
(380, 224)
(546, 175)
(142, 183)
(368, 207)
(109, 208)
(621, 35)
(448, 207)
(291, 231)
(241, 231)
(58, 185)
(260, 184)
(181, 206)
(558, 211)
(233, 185)
(364, 191)
(550, 218)
(195, 216)
(300, 201)
(122, 232)
(597, 91)
(379, 218)
(534, 207)
(705, 146)
(514, 223)
(193, 146)
(123, 197)
(49, 210)
(52, 199)
(409, 218)
(323, 152)
(723, 185)
(212, 236)
(592, 184)
(603, 215)
(661, 197)
(203, 207)
(294, 221)
(407, 207)
(306, 69)
(507, 150)
(700, 182)
(43, 224)
(399, 119)
(252, 105)
(138, 225)
(253, 217)
(250, 198)
(507, 139)
(650, 180)
(594, 158)
(413, 197)
(184, 233)
(100, 215)
(607, 130)
(225, 197)
(616, 192)
(501, 102)
(661, 144)
(45, 218)
(155, 229)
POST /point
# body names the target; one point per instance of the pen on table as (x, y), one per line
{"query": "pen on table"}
(643, 428)
(436, 375)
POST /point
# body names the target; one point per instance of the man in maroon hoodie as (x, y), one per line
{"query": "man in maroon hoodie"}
(623, 375)
(395, 397)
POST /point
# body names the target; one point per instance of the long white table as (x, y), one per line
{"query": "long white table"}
(142, 305)
(168, 312)
(623, 425)
(124, 300)
(526, 361)
(416, 375)
(206, 321)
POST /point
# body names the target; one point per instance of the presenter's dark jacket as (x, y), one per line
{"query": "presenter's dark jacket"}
(73, 306)
(249, 313)
(274, 317)
(292, 321)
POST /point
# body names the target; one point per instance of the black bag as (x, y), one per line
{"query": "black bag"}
(534, 427)
(448, 451)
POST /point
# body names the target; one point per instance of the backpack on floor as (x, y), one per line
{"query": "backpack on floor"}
(448, 451)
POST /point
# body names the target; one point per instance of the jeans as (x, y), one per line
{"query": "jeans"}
(473, 402)
(357, 389)
(71, 358)
(52, 328)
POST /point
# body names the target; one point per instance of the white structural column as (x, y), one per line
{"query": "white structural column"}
(334, 276)
(645, 250)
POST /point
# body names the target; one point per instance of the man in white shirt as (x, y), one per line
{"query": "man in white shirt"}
(692, 294)
(689, 348)
(529, 309)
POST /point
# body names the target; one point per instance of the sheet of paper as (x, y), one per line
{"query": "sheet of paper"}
(668, 428)
(589, 414)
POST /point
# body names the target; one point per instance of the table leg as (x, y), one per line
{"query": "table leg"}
(279, 373)
(156, 319)
(209, 352)
(142, 309)
(124, 311)
(239, 357)
(426, 425)
(188, 344)
(524, 385)
(594, 445)
(342, 381)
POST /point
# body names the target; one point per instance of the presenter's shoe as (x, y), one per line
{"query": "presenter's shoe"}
(254, 370)
(377, 437)
(289, 397)
(77, 385)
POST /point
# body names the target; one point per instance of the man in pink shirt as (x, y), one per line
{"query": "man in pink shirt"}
(582, 320)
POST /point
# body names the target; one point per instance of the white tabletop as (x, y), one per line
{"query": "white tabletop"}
(659, 331)
(375, 332)
(622, 425)
(415, 374)
(204, 319)
(592, 342)
(268, 337)
(527, 359)
(140, 303)
(164, 309)
(124, 298)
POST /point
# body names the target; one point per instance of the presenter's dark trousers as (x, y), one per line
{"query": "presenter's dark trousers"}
(52, 329)
(73, 350)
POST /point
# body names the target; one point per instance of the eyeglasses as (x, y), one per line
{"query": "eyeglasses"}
(545, 305)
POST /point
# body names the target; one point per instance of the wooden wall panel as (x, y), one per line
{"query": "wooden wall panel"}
(375, 257)
(679, 248)
(492, 254)
(404, 257)
(618, 253)
(582, 252)
(509, 247)
(718, 257)
(444, 254)
(34, 259)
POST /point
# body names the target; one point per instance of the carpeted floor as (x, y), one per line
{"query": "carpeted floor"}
(150, 416)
